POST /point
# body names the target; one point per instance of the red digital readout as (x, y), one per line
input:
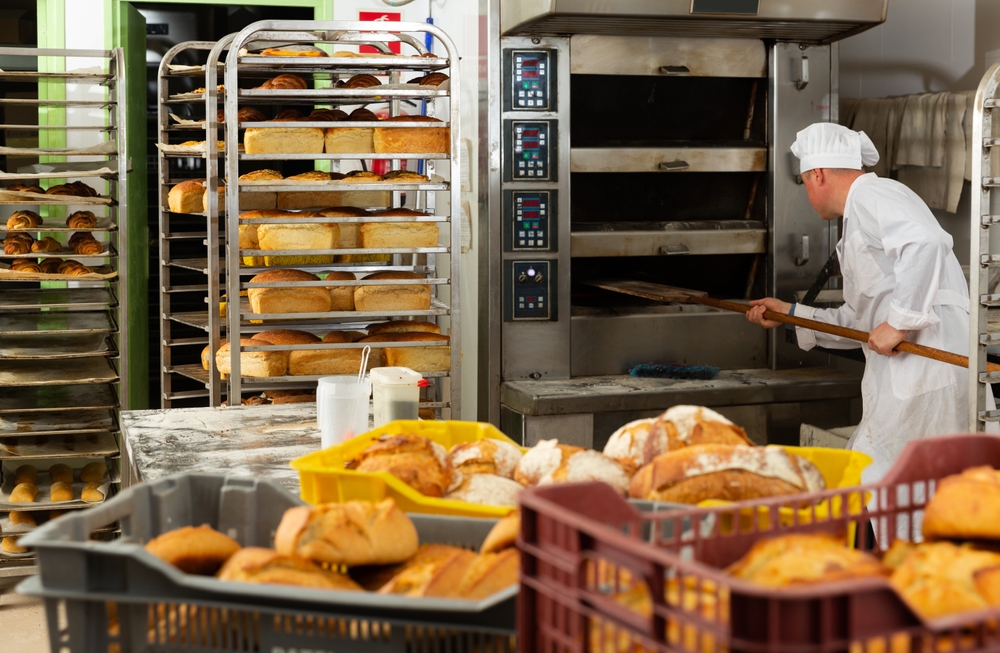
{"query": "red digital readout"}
(532, 202)
(530, 215)
(531, 145)
(530, 74)
(531, 133)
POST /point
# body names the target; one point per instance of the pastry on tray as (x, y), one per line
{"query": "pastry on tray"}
(24, 220)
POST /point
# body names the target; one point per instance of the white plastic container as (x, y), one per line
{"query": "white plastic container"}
(342, 407)
(396, 394)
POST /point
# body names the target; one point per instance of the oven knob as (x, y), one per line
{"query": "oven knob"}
(522, 278)
(538, 277)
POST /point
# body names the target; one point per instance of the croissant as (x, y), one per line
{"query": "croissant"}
(327, 115)
(360, 81)
(24, 188)
(15, 246)
(82, 220)
(82, 190)
(286, 81)
(71, 267)
(24, 265)
(88, 247)
(249, 114)
(24, 220)
(430, 79)
(363, 115)
(78, 236)
(288, 115)
(46, 245)
(50, 265)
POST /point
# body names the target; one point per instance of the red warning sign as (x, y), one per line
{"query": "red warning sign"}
(380, 16)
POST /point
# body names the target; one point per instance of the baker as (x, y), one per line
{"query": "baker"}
(901, 282)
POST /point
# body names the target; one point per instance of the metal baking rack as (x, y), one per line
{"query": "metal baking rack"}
(437, 196)
(62, 370)
(186, 239)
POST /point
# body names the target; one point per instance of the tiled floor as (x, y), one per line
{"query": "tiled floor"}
(22, 624)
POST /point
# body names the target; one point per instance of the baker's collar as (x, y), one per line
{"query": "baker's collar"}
(854, 185)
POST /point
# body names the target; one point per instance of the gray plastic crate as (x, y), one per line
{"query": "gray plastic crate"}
(115, 596)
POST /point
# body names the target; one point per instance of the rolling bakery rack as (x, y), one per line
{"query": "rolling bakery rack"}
(190, 276)
(62, 336)
(436, 196)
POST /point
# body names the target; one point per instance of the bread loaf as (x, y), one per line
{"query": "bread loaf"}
(941, 578)
(319, 362)
(248, 239)
(341, 297)
(420, 463)
(724, 472)
(965, 506)
(257, 565)
(393, 297)
(403, 326)
(291, 236)
(627, 445)
(351, 533)
(61, 491)
(398, 234)
(486, 456)
(61, 473)
(310, 199)
(293, 51)
(488, 574)
(503, 535)
(683, 426)
(24, 493)
(25, 518)
(253, 363)
(26, 474)
(187, 196)
(541, 460)
(92, 493)
(309, 299)
(549, 462)
(416, 141)
(194, 549)
(438, 563)
(254, 200)
(95, 471)
(419, 359)
(487, 490)
(804, 558)
(10, 545)
(283, 140)
(352, 140)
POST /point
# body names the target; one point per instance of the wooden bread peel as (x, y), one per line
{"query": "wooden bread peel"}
(661, 293)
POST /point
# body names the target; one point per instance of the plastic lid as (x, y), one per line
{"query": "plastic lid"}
(395, 376)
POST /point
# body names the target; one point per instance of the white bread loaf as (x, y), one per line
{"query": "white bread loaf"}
(415, 297)
(308, 299)
(487, 490)
(398, 234)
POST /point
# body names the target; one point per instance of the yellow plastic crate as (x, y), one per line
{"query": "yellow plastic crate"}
(323, 479)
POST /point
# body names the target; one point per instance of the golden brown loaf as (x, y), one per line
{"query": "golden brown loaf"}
(309, 299)
(317, 362)
(542, 459)
(61, 491)
(683, 426)
(258, 565)
(341, 297)
(285, 81)
(187, 196)
(804, 558)
(351, 533)
(419, 359)
(26, 474)
(403, 326)
(438, 563)
(503, 535)
(206, 354)
(92, 493)
(448, 572)
(253, 363)
(486, 490)
(549, 462)
(725, 472)
(965, 506)
(349, 140)
(82, 220)
(24, 220)
(488, 574)
(24, 493)
(419, 140)
(61, 473)
(941, 578)
(283, 140)
(398, 234)
(25, 518)
(361, 177)
(393, 297)
(291, 236)
(94, 471)
(416, 461)
(10, 545)
(627, 445)
(194, 549)
(486, 456)
(309, 199)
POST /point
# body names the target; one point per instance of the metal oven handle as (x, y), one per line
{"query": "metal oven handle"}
(675, 71)
(673, 166)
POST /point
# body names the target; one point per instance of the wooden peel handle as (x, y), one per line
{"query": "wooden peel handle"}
(844, 332)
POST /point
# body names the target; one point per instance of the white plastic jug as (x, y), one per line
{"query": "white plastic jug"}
(395, 393)
(342, 407)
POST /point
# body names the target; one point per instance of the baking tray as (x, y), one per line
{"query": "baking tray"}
(68, 372)
(56, 298)
(100, 273)
(54, 346)
(8, 528)
(57, 323)
(57, 399)
(103, 149)
(58, 446)
(68, 421)
(18, 197)
(42, 499)
(103, 224)
(63, 253)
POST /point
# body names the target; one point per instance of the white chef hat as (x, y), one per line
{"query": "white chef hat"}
(829, 145)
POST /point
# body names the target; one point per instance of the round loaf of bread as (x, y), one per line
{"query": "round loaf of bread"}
(341, 297)
(486, 456)
(392, 297)
(10, 545)
(684, 426)
(403, 326)
(253, 363)
(542, 459)
(310, 299)
(487, 490)
(286, 337)
(627, 444)
(398, 234)
(186, 197)
(194, 550)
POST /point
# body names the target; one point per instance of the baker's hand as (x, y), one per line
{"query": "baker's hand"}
(756, 313)
(884, 338)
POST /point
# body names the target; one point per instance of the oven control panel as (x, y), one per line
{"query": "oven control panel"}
(530, 80)
(530, 150)
(530, 221)
(532, 297)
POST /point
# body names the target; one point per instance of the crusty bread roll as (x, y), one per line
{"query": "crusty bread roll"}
(550, 462)
(25, 518)
(258, 565)
(309, 199)
(341, 297)
(26, 474)
(61, 491)
(959, 507)
(798, 558)
(24, 493)
(487, 490)
(95, 471)
(283, 140)
(503, 535)
(416, 141)
(486, 456)
(430, 561)
(378, 235)
(10, 545)
(418, 359)
(488, 574)
(253, 363)
(194, 549)
(683, 426)
(352, 533)
(186, 197)
(542, 459)
(420, 463)
(455, 573)
(942, 578)
(627, 445)
(725, 472)
(61, 473)
(309, 299)
(393, 297)
(92, 492)
(318, 362)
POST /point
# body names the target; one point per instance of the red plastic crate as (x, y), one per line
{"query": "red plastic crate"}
(585, 549)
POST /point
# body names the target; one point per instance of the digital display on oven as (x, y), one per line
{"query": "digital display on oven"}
(530, 83)
(530, 220)
(530, 158)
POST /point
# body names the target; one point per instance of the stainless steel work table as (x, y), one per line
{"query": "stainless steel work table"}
(255, 441)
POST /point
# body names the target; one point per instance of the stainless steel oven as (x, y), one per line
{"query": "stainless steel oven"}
(649, 140)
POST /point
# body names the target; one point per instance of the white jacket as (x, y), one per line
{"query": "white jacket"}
(899, 268)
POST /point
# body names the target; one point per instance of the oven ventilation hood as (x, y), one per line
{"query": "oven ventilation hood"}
(798, 21)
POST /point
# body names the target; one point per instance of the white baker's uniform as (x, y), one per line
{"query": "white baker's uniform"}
(899, 268)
